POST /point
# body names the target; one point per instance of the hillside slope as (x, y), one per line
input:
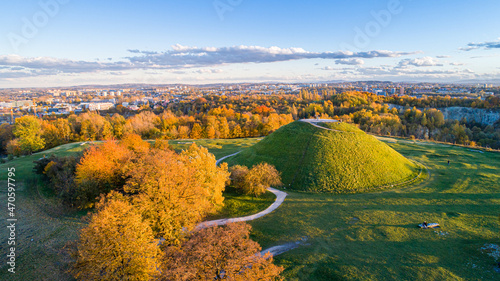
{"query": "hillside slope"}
(343, 161)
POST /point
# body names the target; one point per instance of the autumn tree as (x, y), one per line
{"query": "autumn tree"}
(183, 132)
(13, 147)
(161, 144)
(236, 132)
(94, 127)
(196, 131)
(174, 192)
(218, 253)
(50, 135)
(144, 124)
(116, 245)
(135, 143)
(212, 178)
(6, 135)
(100, 171)
(117, 121)
(210, 132)
(61, 175)
(256, 180)
(238, 173)
(223, 128)
(28, 130)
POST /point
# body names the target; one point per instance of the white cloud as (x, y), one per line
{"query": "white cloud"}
(60, 65)
(424, 61)
(181, 57)
(350, 61)
(203, 71)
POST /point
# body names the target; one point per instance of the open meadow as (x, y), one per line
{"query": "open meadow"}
(374, 236)
(366, 236)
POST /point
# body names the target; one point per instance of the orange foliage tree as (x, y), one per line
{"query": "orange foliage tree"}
(256, 180)
(100, 171)
(219, 253)
(116, 245)
(174, 192)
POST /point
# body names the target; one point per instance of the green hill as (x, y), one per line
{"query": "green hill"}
(342, 161)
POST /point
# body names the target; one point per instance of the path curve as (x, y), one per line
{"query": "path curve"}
(280, 197)
(315, 122)
(218, 161)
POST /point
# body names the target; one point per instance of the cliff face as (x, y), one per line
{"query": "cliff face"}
(483, 116)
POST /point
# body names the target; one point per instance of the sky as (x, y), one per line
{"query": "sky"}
(50, 43)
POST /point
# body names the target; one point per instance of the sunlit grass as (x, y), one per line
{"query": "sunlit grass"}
(239, 205)
(374, 236)
(368, 236)
(343, 161)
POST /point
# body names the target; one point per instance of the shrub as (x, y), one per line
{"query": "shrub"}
(256, 180)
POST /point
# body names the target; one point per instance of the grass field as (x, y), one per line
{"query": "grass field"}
(343, 161)
(368, 236)
(219, 147)
(374, 236)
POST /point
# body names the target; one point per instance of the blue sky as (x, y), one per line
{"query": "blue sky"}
(75, 42)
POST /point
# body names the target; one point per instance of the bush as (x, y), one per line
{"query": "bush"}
(40, 165)
(61, 174)
(256, 180)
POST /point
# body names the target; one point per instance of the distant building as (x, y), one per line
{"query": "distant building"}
(21, 103)
(5, 104)
(96, 105)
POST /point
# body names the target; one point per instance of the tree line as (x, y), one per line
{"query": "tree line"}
(255, 115)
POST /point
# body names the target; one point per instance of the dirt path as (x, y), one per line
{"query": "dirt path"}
(218, 161)
(280, 249)
(275, 250)
(280, 197)
(315, 122)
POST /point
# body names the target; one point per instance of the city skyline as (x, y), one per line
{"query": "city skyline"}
(52, 43)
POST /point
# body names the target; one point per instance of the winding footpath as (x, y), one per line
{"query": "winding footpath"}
(315, 122)
(220, 160)
(280, 197)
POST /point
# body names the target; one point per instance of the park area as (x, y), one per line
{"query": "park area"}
(364, 236)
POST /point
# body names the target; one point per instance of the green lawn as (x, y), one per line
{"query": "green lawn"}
(374, 236)
(346, 160)
(369, 236)
(239, 205)
(219, 147)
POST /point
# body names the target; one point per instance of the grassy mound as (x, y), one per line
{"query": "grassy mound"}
(341, 160)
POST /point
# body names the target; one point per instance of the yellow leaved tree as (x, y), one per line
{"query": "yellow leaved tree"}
(217, 253)
(174, 192)
(100, 171)
(116, 245)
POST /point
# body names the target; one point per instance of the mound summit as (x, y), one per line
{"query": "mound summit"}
(338, 158)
